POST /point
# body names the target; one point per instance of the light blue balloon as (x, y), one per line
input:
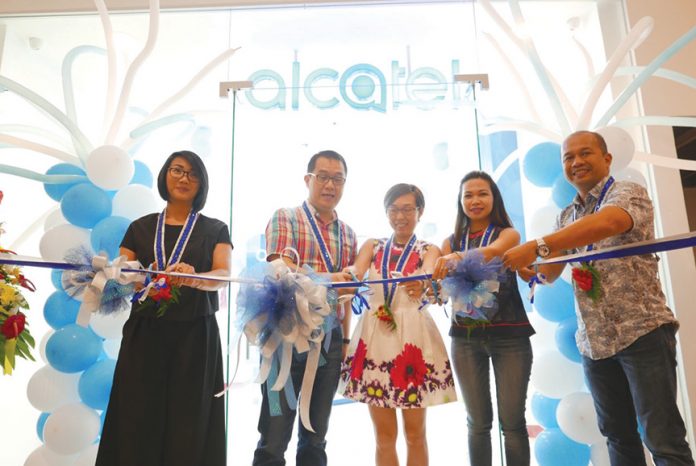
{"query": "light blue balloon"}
(553, 448)
(555, 302)
(40, 422)
(73, 348)
(542, 164)
(363, 87)
(56, 191)
(84, 205)
(106, 235)
(565, 339)
(60, 310)
(95, 383)
(544, 410)
(142, 174)
(562, 192)
(57, 278)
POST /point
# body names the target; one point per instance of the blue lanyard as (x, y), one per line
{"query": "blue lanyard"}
(179, 246)
(464, 243)
(600, 200)
(386, 257)
(322, 244)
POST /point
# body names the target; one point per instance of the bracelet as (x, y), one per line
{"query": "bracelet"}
(346, 341)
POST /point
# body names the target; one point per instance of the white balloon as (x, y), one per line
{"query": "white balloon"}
(555, 376)
(112, 347)
(71, 428)
(108, 326)
(49, 389)
(620, 145)
(88, 457)
(44, 456)
(542, 221)
(599, 454)
(633, 175)
(42, 345)
(577, 418)
(109, 167)
(545, 332)
(54, 219)
(134, 201)
(58, 240)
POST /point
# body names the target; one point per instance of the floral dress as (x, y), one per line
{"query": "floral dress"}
(406, 367)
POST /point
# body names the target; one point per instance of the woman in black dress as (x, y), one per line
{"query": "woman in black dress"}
(162, 410)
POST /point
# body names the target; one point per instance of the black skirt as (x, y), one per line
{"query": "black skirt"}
(162, 410)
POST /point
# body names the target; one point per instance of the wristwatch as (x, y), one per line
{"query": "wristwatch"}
(542, 249)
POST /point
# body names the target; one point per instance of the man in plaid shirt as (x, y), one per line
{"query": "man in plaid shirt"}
(327, 245)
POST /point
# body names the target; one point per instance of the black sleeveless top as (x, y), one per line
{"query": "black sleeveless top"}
(206, 234)
(510, 319)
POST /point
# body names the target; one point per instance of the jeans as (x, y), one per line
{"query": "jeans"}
(512, 365)
(640, 380)
(276, 431)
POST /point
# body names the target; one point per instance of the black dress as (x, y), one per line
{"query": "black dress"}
(162, 411)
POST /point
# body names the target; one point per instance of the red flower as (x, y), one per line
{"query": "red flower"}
(409, 368)
(13, 326)
(358, 364)
(583, 278)
(162, 293)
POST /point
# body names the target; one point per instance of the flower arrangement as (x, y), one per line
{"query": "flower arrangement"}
(15, 338)
(586, 277)
(385, 314)
(158, 293)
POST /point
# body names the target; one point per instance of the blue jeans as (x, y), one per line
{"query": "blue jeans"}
(641, 381)
(276, 431)
(512, 365)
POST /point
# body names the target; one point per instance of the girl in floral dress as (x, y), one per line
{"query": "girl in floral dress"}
(396, 358)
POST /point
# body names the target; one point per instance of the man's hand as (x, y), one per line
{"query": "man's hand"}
(521, 256)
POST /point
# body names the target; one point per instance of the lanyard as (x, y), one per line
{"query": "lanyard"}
(464, 246)
(600, 200)
(323, 248)
(179, 246)
(403, 259)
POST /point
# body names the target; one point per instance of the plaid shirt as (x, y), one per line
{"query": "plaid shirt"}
(289, 228)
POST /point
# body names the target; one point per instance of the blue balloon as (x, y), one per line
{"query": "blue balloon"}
(73, 348)
(565, 339)
(544, 410)
(57, 278)
(84, 205)
(40, 424)
(60, 310)
(106, 235)
(553, 448)
(562, 192)
(56, 191)
(542, 164)
(95, 383)
(554, 302)
(142, 174)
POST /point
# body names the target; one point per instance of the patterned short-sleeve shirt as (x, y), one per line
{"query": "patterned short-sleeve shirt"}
(631, 302)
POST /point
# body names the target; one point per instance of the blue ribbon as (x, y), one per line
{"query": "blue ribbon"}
(322, 244)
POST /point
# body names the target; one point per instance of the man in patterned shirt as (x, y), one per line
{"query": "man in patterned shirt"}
(327, 245)
(627, 334)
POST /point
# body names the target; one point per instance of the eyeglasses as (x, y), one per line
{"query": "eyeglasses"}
(322, 178)
(408, 211)
(178, 173)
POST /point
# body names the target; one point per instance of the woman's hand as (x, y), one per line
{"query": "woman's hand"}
(414, 289)
(441, 265)
(182, 267)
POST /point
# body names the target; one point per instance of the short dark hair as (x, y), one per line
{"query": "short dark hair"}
(197, 166)
(402, 189)
(327, 154)
(499, 216)
(601, 142)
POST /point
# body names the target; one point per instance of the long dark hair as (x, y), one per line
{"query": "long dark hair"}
(197, 165)
(499, 216)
